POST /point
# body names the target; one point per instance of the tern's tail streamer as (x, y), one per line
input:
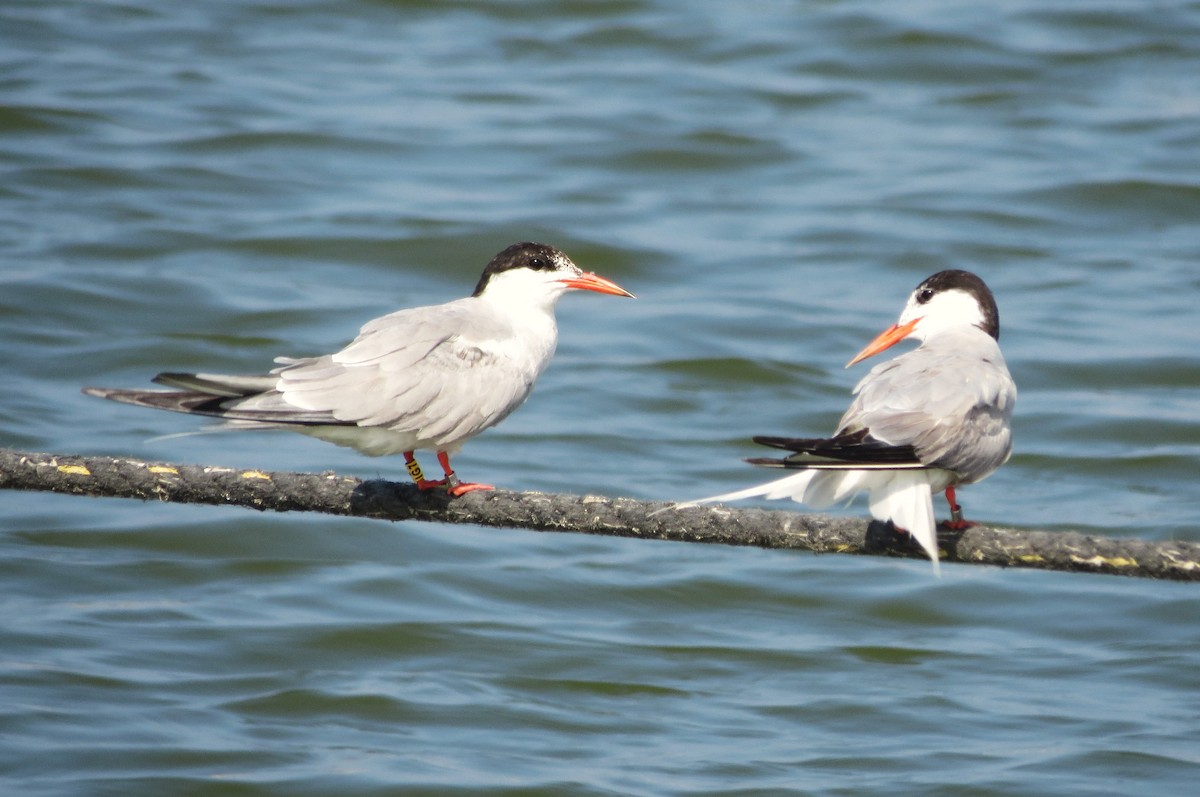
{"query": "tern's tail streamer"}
(901, 496)
(788, 487)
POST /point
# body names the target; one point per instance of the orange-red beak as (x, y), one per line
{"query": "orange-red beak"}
(591, 282)
(888, 338)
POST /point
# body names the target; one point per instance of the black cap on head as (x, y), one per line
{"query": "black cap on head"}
(526, 254)
(965, 281)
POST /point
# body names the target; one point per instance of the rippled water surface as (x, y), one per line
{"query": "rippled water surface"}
(209, 185)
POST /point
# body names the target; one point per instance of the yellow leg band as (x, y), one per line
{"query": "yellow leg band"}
(414, 470)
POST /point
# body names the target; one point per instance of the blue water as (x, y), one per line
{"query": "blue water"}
(210, 185)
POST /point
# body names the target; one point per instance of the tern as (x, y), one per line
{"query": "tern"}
(927, 421)
(425, 378)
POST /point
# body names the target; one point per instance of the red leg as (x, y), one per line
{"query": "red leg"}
(418, 476)
(453, 485)
(956, 521)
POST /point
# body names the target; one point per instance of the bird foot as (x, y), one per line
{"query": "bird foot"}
(956, 521)
(453, 486)
(457, 488)
(462, 488)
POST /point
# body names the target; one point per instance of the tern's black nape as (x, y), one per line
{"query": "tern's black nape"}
(958, 280)
(527, 254)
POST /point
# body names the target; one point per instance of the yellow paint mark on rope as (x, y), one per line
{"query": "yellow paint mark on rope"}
(77, 470)
(162, 469)
(255, 474)
(1111, 561)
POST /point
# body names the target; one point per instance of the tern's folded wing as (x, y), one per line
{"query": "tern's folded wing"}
(857, 450)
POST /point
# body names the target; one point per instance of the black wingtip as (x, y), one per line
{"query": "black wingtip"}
(110, 393)
(767, 462)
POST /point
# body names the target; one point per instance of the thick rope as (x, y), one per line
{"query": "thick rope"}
(622, 517)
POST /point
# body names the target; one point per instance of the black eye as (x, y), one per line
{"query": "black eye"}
(537, 263)
(924, 296)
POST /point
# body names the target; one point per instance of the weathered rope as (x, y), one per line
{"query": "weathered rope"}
(624, 517)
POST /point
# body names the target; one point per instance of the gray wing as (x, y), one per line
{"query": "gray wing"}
(435, 376)
(440, 373)
(953, 403)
